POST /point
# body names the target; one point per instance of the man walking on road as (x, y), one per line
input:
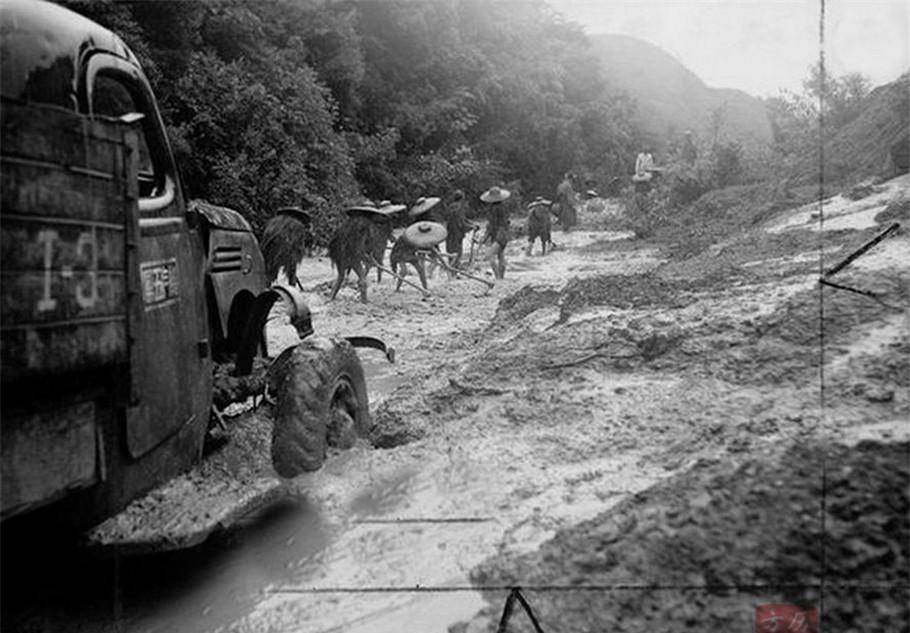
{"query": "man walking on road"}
(497, 229)
(565, 199)
(457, 226)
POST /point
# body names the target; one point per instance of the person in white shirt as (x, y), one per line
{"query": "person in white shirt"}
(644, 165)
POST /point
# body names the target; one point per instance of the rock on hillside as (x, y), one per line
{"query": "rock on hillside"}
(670, 98)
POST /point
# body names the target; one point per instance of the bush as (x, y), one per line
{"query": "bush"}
(687, 183)
(646, 212)
(726, 164)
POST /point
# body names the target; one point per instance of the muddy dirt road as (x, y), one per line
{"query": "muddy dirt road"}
(597, 415)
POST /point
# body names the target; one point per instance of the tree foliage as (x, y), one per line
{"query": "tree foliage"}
(278, 102)
(797, 117)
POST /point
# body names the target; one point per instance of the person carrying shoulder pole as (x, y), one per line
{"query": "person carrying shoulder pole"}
(457, 226)
(426, 209)
(497, 234)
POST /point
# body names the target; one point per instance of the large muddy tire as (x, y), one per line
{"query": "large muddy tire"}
(321, 401)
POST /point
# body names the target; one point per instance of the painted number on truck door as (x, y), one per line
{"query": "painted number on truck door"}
(85, 291)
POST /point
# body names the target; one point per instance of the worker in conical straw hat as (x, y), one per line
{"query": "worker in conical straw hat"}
(427, 209)
(497, 234)
(457, 226)
(285, 241)
(354, 242)
(539, 223)
(385, 223)
(419, 236)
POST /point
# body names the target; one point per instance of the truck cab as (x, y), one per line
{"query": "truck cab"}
(115, 293)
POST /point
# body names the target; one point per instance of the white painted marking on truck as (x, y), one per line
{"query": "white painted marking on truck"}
(86, 299)
(47, 237)
(160, 284)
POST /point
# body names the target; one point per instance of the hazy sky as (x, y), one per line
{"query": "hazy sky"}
(760, 45)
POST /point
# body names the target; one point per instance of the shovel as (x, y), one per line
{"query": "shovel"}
(441, 261)
(473, 244)
(425, 292)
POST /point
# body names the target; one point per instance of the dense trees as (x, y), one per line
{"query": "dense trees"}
(278, 101)
(796, 116)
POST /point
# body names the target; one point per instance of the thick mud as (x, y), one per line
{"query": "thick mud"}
(797, 405)
(610, 413)
(702, 550)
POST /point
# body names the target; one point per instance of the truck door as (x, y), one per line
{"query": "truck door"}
(169, 356)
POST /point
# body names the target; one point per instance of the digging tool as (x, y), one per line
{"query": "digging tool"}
(825, 278)
(473, 244)
(425, 292)
(455, 271)
(860, 251)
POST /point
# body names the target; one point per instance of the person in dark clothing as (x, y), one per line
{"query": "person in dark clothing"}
(420, 236)
(566, 201)
(353, 244)
(286, 239)
(539, 224)
(457, 226)
(426, 210)
(385, 225)
(497, 234)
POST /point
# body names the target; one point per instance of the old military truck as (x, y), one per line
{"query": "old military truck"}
(116, 295)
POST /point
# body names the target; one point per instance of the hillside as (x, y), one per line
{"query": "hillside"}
(671, 99)
(863, 147)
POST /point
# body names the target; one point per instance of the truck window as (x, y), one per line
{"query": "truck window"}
(110, 97)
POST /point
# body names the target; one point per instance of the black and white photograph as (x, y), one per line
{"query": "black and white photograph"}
(454, 316)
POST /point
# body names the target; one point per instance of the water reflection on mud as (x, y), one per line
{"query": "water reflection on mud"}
(196, 590)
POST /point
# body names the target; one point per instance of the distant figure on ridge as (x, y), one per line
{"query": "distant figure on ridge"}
(644, 171)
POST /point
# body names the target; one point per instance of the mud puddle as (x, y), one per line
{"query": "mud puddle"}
(60, 588)
(382, 376)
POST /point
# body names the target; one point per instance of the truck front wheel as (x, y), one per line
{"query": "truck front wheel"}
(321, 402)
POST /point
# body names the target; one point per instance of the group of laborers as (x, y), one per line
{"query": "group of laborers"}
(360, 243)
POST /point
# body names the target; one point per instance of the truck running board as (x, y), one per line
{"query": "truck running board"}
(227, 485)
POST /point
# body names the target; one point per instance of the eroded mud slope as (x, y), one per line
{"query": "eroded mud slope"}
(759, 385)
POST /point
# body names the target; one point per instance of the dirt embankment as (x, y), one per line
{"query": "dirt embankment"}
(724, 332)
(699, 551)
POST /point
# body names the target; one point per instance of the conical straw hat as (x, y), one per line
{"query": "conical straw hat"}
(425, 234)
